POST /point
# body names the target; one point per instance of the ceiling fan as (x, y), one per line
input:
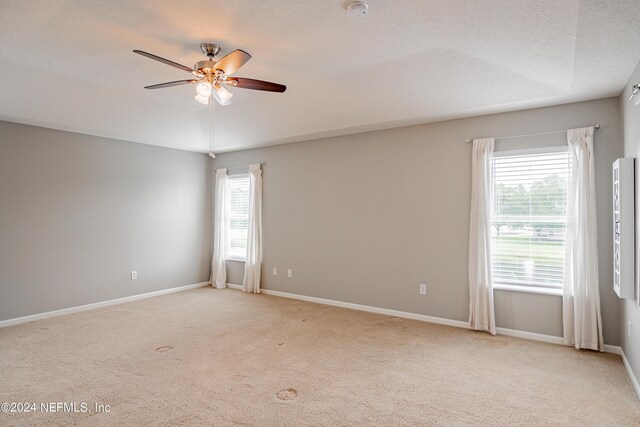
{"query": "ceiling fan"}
(212, 76)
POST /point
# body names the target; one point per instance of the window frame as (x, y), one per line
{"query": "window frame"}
(228, 256)
(519, 287)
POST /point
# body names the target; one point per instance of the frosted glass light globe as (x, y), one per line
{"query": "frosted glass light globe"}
(204, 89)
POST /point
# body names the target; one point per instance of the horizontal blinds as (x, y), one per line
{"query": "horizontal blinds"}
(237, 215)
(529, 218)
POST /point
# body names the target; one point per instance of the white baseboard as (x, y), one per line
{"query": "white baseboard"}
(370, 309)
(613, 349)
(634, 379)
(70, 310)
(233, 286)
(552, 339)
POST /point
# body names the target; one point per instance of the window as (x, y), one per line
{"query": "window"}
(237, 216)
(528, 218)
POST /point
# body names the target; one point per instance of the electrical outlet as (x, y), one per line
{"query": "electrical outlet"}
(629, 329)
(423, 289)
(289, 273)
(275, 271)
(134, 275)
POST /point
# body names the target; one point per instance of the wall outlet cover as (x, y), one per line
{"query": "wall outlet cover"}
(134, 275)
(423, 289)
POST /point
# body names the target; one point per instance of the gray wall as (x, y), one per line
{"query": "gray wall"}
(365, 218)
(629, 310)
(78, 213)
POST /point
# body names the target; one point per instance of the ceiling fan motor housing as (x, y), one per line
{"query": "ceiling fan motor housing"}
(205, 67)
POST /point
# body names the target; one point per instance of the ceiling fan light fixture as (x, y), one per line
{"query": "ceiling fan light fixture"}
(202, 99)
(221, 94)
(203, 89)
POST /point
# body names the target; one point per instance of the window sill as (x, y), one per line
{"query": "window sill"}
(235, 259)
(528, 289)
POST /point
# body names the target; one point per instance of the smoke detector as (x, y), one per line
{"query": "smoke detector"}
(357, 9)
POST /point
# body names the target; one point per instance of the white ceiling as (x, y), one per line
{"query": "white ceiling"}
(68, 64)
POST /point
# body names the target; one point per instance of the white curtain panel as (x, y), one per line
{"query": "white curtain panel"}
(581, 298)
(481, 313)
(218, 263)
(253, 262)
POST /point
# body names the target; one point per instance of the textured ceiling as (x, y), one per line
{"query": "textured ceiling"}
(69, 65)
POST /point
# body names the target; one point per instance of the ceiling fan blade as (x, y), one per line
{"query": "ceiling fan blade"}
(231, 62)
(245, 83)
(164, 61)
(170, 84)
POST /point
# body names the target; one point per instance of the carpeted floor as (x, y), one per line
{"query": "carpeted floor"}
(221, 357)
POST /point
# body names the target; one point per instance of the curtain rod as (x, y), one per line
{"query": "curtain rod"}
(532, 134)
(238, 167)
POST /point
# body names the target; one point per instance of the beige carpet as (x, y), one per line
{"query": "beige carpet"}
(223, 357)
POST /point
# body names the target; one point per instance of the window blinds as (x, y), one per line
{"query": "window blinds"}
(237, 215)
(528, 218)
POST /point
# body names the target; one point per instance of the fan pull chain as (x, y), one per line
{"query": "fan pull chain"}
(211, 133)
